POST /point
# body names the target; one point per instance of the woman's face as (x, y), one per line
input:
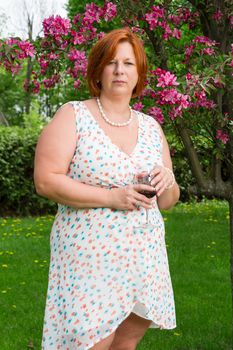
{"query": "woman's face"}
(120, 75)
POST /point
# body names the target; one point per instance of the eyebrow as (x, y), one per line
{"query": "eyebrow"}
(126, 59)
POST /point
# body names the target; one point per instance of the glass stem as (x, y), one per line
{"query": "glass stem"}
(147, 216)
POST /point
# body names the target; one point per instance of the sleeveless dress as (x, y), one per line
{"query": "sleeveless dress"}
(102, 268)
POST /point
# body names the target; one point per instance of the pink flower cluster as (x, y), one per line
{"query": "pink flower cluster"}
(84, 30)
(217, 16)
(203, 40)
(18, 50)
(202, 101)
(157, 114)
(56, 27)
(79, 60)
(165, 78)
(156, 18)
(183, 15)
(222, 136)
(34, 87)
(168, 96)
(138, 106)
(52, 81)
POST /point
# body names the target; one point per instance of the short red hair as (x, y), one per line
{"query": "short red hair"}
(104, 51)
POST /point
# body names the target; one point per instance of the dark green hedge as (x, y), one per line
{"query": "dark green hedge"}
(17, 191)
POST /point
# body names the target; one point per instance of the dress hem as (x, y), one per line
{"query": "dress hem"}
(160, 326)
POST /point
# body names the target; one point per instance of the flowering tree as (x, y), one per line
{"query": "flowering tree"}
(189, 82)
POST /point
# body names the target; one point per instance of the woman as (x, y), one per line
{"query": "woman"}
(108, 281)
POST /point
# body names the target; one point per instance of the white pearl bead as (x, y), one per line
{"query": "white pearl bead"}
(109, 121)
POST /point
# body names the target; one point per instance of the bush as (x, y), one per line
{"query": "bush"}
(17, 191)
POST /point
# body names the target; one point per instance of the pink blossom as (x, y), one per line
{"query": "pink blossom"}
(148, 92)
(222, 136)
(77, 84)
(167, 33)
(189, 76)
(172, 97)
(52, 56)
(176, 34)
(100, 35)
(182, 15)
(201, 101)
(167, 79)
(51, 82)
(169, 97)
(92, 14)
(152, 18)
(231, 64)
(77, 18)
(27, 49)
(204, 40)
(200, 94)
(76, 55)
(109, 11)
(138, 106)
(217, 16)
(78, 37)
(158, 72)
(218, 82)
(189, 51)
(159, 11)
(175, 112)
(35, 87)
(156, 113)
(208, 51)
(175, 19)
(11, 41)
(231, 21)
(56, 26)
(43, 64)
(12, 67)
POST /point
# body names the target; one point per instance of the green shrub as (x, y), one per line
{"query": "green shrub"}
(17, 191)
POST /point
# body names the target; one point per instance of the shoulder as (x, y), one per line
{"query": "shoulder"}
(149, 121)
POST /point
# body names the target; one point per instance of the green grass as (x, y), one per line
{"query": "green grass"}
(197, 238)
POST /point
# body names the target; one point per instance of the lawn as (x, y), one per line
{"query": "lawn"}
(197, 237)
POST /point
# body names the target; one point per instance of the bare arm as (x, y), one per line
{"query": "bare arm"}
(54, 152)
(166, 198)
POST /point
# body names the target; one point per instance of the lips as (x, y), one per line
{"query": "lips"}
(119, 81)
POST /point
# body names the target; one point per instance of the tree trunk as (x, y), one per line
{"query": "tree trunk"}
(28, 95)
(231, 253)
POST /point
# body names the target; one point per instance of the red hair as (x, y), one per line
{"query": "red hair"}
(104, 51)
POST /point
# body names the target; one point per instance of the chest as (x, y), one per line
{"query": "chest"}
(125, 138)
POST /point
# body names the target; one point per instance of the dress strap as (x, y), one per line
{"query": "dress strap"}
(77, 112)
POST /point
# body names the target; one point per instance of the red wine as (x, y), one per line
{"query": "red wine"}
(148, 194)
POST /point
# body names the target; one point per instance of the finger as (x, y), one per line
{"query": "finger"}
(142, 199)
(140, 204)
(156, 179)
(141, 187)
(161, 188)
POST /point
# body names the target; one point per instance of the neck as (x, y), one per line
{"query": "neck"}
(115, 107)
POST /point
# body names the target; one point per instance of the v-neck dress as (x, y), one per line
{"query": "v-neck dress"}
(102, 267)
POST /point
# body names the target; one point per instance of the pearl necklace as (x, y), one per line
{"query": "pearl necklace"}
(109, 121)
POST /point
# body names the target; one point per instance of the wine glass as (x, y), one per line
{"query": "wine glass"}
(143, 177)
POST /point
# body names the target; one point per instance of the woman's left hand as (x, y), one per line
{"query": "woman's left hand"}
(161, 179)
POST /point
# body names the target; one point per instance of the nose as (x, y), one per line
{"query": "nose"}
(119, 69)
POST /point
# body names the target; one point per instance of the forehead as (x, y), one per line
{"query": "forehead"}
(125, 50)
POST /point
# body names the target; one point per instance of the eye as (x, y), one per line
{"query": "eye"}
(111, 62)
(129, 63)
